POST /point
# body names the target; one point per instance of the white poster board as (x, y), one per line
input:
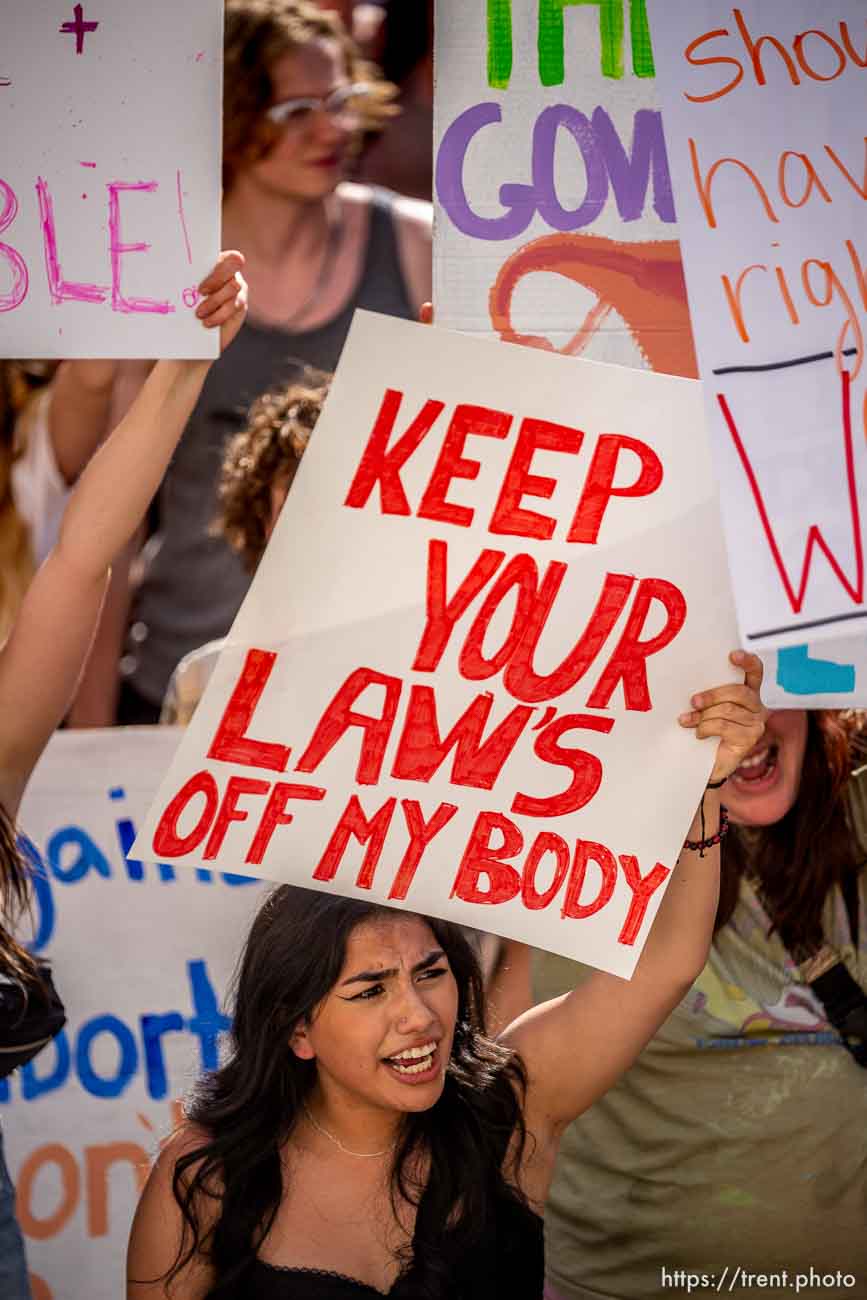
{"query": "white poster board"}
(142, 957)
(431, 695)
(554, 211)
(766, 145)
(603, 277)
(110, 143)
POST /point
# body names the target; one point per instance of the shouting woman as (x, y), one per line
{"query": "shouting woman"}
(365, 1136)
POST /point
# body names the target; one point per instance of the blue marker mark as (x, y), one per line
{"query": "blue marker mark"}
(112, 1085)
(798, 674)
(34, 1084)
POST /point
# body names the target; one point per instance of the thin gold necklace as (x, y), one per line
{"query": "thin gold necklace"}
(362, 1155)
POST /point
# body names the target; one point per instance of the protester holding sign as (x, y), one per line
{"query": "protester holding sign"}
(42, 659)
(755, 1161)
(298, 99)
(365, 1130)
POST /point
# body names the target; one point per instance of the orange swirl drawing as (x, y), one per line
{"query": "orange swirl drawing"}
(643, 282)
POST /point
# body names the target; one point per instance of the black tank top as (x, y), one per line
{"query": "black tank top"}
(194, 583)
(508, 1264)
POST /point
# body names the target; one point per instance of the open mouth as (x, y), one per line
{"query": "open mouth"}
(415, 1062)
(757, 770)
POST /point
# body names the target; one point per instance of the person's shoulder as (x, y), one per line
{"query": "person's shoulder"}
(158, 1238)
(355, 194)
(414, 212)
(188, 1139)
(415, 215)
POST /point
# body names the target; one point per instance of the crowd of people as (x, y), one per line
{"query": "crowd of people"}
(368, 1132)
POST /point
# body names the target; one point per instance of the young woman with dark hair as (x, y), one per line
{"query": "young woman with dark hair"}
(792, 811)
(41, 661)
(365, 1136)
(757, 1156)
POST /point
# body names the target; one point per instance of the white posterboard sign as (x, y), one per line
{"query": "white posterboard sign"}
(110, 143)
(766, 146)
(142, 956)
(498, 582)
(590, 264)
(554, 211)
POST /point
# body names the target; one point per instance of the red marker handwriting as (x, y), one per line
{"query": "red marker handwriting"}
(854, 588)
(78, 28)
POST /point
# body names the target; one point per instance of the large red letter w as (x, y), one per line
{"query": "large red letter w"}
(855, 590)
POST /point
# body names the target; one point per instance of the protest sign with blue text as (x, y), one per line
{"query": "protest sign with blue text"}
(142, 955)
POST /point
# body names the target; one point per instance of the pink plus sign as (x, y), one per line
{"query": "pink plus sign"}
(79, 28)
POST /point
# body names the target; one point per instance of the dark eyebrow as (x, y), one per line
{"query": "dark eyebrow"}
(430, 960)
(372, 976)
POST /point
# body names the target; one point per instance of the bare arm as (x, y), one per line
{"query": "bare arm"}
(509, 992)
(414, 220)
(79, 412)
(95, 702)
(578, 1045)
(156, 1236)
(87, 399)
(41, 662)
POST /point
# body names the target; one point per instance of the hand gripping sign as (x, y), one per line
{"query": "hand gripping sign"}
(454, 684)
(110, 122)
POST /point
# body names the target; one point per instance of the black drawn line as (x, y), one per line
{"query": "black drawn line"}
(802, 627)
(783, 365)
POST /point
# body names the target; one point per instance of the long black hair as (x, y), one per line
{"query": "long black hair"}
(804, 855)
(16, 962)
(471, 1141)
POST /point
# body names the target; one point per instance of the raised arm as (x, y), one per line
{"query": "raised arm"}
(78, 413)
(578, 1045)
(41, 662)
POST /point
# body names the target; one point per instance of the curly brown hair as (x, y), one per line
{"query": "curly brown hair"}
(258, 32)
(804, 855)
(267, 452)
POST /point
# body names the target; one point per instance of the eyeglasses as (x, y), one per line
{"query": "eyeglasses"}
(346, 105)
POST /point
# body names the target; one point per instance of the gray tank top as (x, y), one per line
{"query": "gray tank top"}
(193, 583)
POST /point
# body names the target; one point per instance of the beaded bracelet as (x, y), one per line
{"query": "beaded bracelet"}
(699, 846)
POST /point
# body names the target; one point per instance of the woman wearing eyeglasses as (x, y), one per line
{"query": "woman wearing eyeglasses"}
(298, 99)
